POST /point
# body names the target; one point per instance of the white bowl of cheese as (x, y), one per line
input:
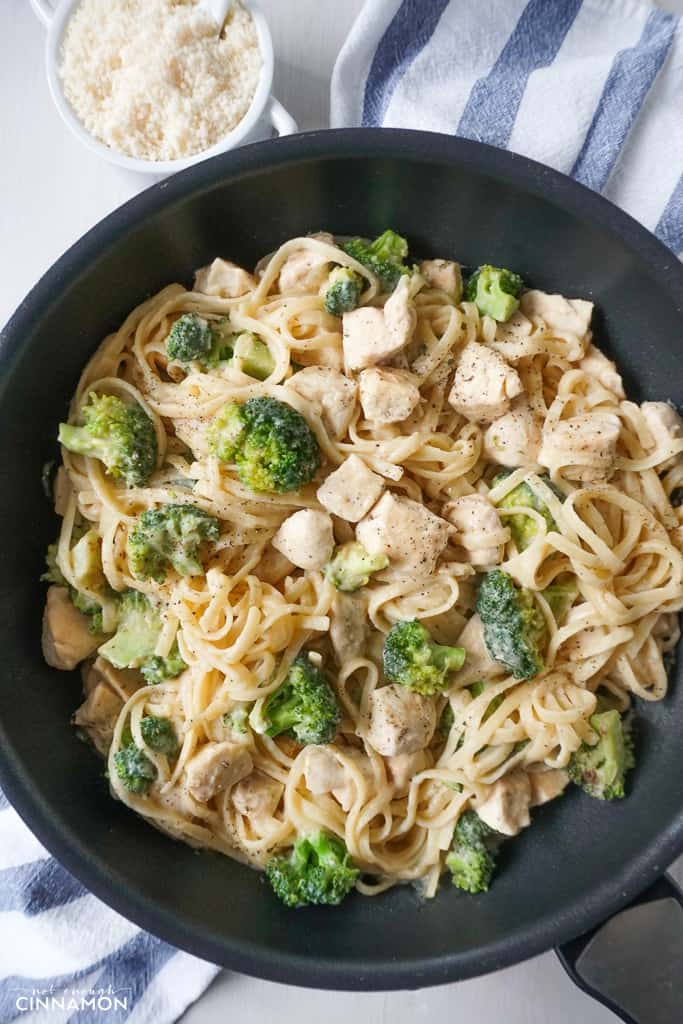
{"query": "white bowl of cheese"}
(161, 93)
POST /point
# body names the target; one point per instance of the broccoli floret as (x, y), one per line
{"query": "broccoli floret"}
(133, 767)
(238, 718)
(600, 770)
(476, 689)
(170, 536)
(317, 870)
(446, 720)
(342, 291)
(139, 626)
(87, 564)
(561, 595)
(53, 574)
(385, 257)
(156, 669)
(514, 628)
(412, 659)
(304, 707)
(160, 735)
(494, 291)
(88, 607)
(190, 339)
(271, 444)
(352, 566)
(117, 433)
(524, 528)
(252, 355)
(471, 858)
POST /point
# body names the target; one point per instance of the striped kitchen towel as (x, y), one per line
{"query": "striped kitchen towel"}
(594, 88)
(66, 957)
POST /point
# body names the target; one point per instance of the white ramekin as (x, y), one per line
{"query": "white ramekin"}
(265, 113)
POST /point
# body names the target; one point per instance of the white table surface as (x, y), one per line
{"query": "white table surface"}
(51, 191)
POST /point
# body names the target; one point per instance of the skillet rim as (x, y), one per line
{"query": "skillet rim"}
(599, 902)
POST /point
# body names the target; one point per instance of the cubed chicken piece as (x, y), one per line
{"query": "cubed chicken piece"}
(400, 315)
(224, 279)
(403, 768)
(405, 531)
(484, 384)
(666, 427)
(583, 448)
(371, 335)
(306, 538)
(514, 439)
(123, 681)
(256, 796)
(387, 395)
(401, 722)
(444, 275)
(97, 716)
(479, 532)
(66, 637)
(516, 329)
(273, 566)
(596, 364)
(545, 786)
(332, 392)
(351, 490)
(566, 316)
(445, 627)
(348, 625)
(478, 662)
(215, 768)
(325, 773)
(506, 807)
(306, 270)
(62, 491)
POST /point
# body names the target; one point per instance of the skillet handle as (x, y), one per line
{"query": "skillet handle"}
(632, 963)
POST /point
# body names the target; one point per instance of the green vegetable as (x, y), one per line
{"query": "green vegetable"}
(170, 536)
(412, 659)
(253, 355)
(352, 566)
(190, 339)
(88, 607)
(133, 767)
(524, 528)
(87, 565)
(119, 434)
(446, 720)
(238, 718)
(471, 858)
(53, 574)
(494, 291)
(385, 257)
(342, 291)
(160, 735)
(156, 669)
(560, 595)
(514, 628)
(139, 626)
(271, 444)
(304, 706)
(317, 870)
(476, 689)
(600, 770)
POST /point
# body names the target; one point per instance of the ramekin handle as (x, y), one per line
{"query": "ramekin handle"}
(44, 10)
(281, 120)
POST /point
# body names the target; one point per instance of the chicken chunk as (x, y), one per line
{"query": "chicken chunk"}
(478, 664)
(387, 395)
(565, 316)
(256, 796)
(583, 448)
(404, 767)
(348, 625)
(325, 773)
(306, 538)
(515, 438)
(273, 566)
(123, 681)
(444, 275)
(306, 270)
(97, 716)
(66, 637)
(506, 808)
(484, 384)
(215, 768)
(545, 786)
(516, 329)
(332, 392)
(666, 427)
(400, 315)
(479, 535)
(596, 364)
(351, 490)
(446, 626)
(224, 279)
(405, 531)
(371, 335)
(401, 722)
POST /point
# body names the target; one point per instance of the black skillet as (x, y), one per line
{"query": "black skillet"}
(582, 860)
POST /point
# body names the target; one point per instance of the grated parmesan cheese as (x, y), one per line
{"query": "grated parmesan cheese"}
(152, 78)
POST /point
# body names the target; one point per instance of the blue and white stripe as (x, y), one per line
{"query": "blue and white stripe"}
(594, 88)
(64, 949)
